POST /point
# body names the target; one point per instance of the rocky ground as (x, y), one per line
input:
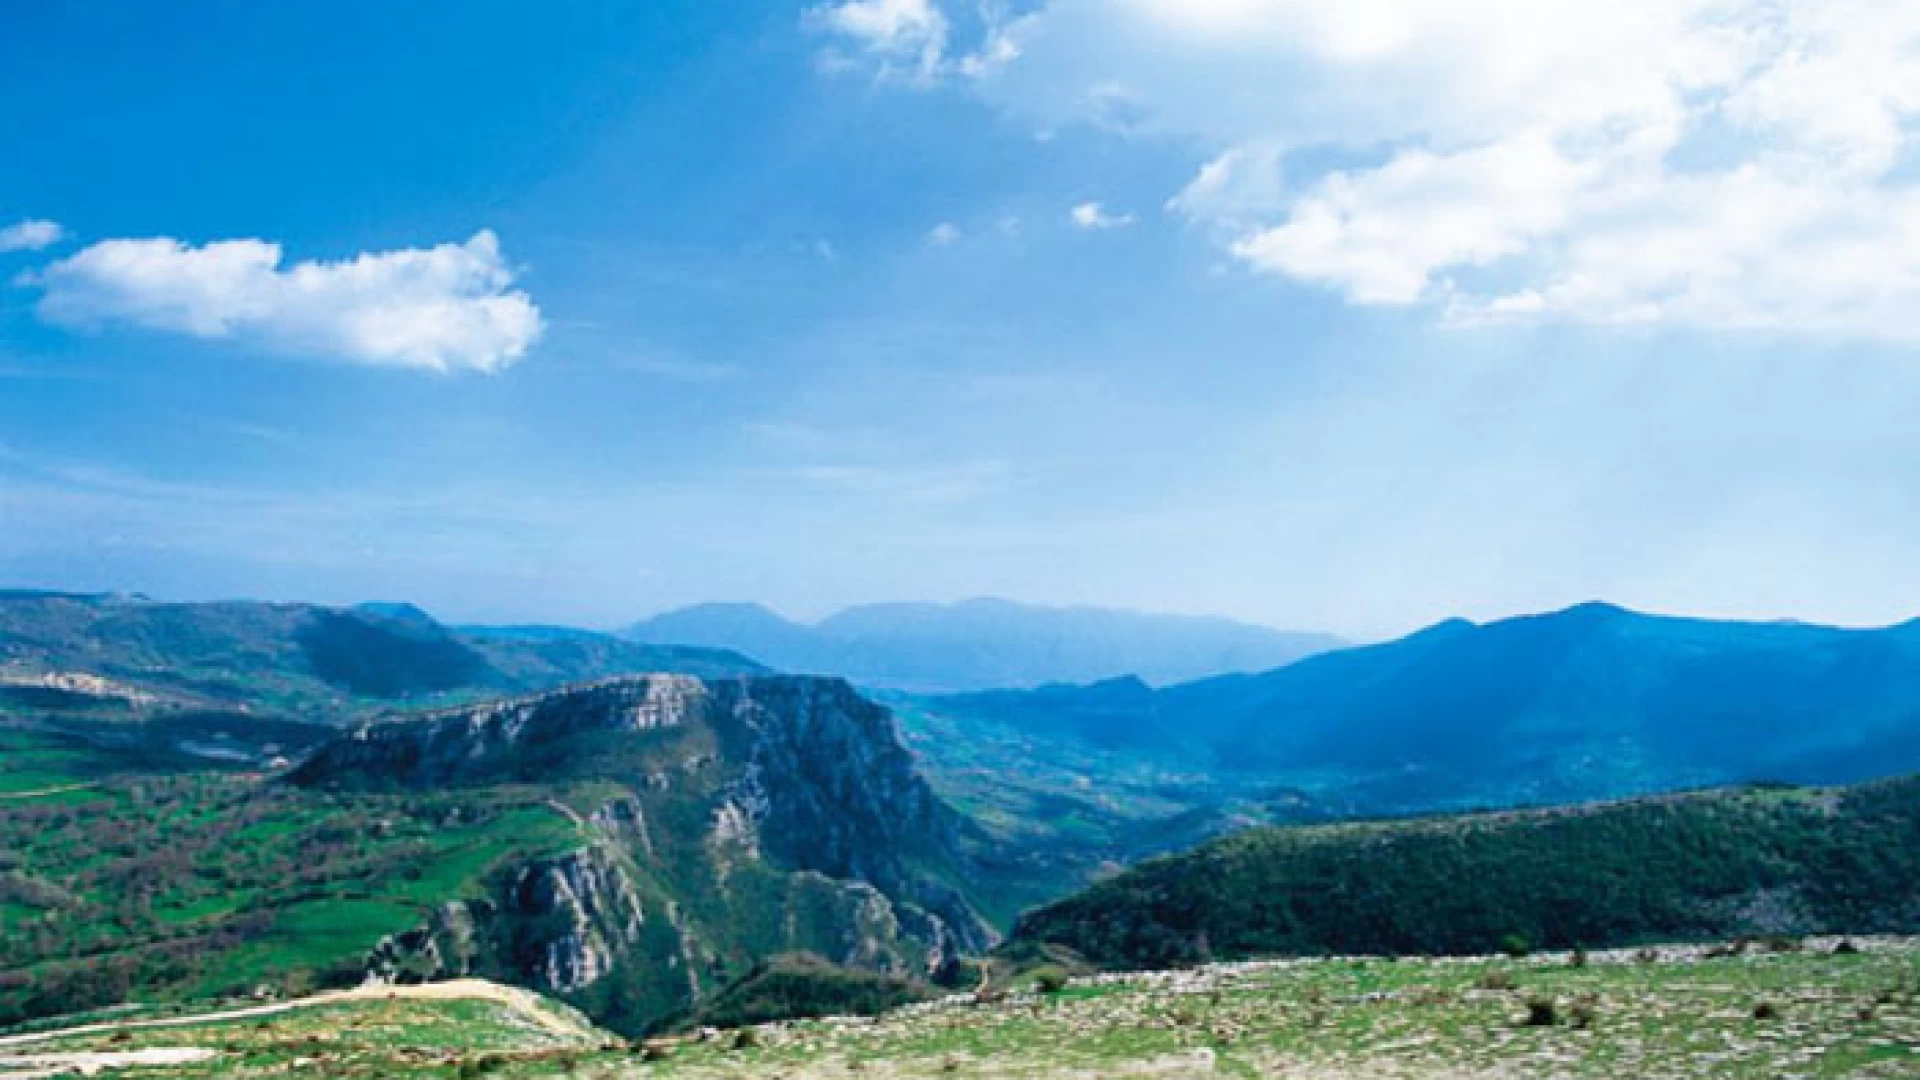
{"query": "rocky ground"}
(1813, 1009)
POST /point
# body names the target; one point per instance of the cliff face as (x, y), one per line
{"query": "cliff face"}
(718, 822)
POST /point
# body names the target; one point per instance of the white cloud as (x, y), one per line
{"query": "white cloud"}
(30, 235)
(914, 38)
(943, 234)
(1719, 163)
(909, 34)
(449, 307)
(1092, 215)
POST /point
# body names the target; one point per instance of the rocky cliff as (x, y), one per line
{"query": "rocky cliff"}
(718, 822)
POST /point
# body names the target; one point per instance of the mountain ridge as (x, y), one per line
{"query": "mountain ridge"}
(1591, 701)
(1704, 865)
(984, 643)
(302, 661)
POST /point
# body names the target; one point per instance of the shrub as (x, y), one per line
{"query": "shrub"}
(1542, 1012)
(1515, 946)
(1766, 1010)
(1050, 979)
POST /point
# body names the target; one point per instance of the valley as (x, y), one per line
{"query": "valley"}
(268, 806)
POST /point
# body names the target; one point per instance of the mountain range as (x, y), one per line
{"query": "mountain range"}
(108, 655)
(1591, 702)
(205, 799)
(980, 644)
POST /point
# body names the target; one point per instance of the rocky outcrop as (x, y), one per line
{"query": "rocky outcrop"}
(588, 913)
(720, 822)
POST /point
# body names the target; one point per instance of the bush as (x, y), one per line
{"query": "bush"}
(1515, 946)
(1542, 1012)
(1050, 979)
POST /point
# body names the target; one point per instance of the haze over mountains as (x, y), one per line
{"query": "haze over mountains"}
(983, 644)
(1591, 702)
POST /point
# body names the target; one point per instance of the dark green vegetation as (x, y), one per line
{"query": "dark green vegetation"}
(800, 985)
(984, 643)
(1705, 865)
(1592, 702)
(121, 657)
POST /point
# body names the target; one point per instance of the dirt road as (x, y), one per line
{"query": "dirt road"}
(524, 1002)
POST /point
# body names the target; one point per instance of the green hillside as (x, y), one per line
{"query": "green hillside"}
(1697, 866)
(632, 846)
(106, 656)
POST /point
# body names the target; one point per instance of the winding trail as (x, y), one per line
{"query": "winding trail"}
(42, 792)
(524, 1002)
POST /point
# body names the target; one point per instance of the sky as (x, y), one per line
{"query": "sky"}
(1346, 315)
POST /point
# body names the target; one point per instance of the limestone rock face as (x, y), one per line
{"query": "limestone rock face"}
(720, 822)
(589, 912)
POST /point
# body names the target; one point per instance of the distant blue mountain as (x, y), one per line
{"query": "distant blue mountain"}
(1595, 701)
(985, 643)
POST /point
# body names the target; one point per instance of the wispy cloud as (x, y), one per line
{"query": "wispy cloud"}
(909, 36)
(445, 308)
(33, 234)
(1092, 215)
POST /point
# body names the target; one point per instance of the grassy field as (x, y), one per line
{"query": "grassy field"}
(1817, 1012)
(197, 885)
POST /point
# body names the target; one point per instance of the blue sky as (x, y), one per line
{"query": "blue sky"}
(1322, 315)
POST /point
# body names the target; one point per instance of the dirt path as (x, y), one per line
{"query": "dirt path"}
(33, 1066)
(43, 792)
(524, 1002)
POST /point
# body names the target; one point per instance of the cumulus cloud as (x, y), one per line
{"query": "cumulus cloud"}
(30, 235)
(444, 308)
(1718, 163)
(943, 234)
(1092, 215)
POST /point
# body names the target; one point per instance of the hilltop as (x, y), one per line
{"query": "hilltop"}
(1701, 866)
